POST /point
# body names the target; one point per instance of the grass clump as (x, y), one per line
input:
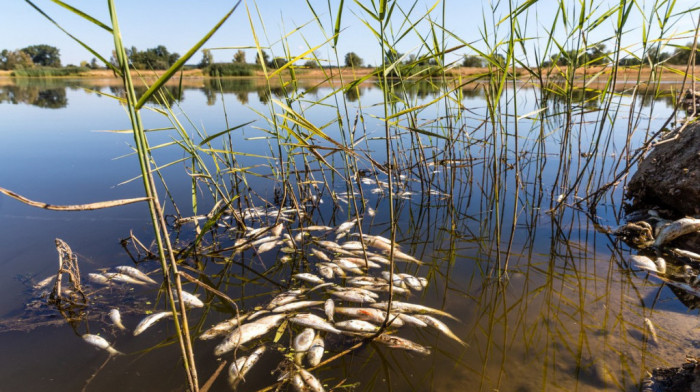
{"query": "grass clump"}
(230, 69)
(48, 72)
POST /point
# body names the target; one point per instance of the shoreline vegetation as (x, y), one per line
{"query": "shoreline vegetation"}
(661, 78)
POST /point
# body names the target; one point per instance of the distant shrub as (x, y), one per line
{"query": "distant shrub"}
(230, 69)
(47, 72)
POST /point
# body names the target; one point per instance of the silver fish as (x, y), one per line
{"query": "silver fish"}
(348, 266)
(396, 279)
(643, 262)
(371, 212)
(359, 290)
(311, 381)
(277, 230)
(248, 332)
(302, 342)
(295, 305)
(440, 326)
(134, 273)
(268, 246)
(284, 298)
(315, 353)
(307, 277)
(399, 342)
(352, 245)
(329, 309)
(325, 271)
(298, 384)
(356, 326)
(44, 282)
(222, 328)
(150, 320)
(365, 280)
(241, 367)
(122, 278)
(346, 226)
(411, 281)
(677, 229)
(361, 262)
(353, 296)
(257, 314)
(313, 321)
(318, 228)
(414, 308)
(411, 320)
(369, 314)
(322, 256)
(116, 318)
(99, 341)
(189, 299)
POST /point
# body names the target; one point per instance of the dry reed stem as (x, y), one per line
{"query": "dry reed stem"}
(74, 207)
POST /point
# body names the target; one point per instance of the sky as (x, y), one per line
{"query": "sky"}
(179, 24)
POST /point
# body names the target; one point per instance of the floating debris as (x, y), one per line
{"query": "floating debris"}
(134, 273)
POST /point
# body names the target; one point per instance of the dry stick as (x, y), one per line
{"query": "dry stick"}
(210, 381)
(73, 207)
(207, 287)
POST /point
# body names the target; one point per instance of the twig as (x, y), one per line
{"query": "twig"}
(210, 381)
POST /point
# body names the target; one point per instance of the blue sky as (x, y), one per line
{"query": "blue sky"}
(178, 24)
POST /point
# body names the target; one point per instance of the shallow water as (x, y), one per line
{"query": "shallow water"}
(568, 314)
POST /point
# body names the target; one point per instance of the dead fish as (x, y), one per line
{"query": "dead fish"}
(399, 342)
(414, 308)
(329, 309)
(313, 321)
(348, 266)
(255, 232)
(691, 255)
(371, 212)
(277, 230)
(318, 228)
(440, 326)
(265, 240)
(302, 342)
(298, 384)
(150, 320)
(361, 262)
(284, 298)
(359, 290)
(384, 287)
(353, 296)
(370, 314)
(401, 256)
(135, 273)
(241, 367)
(411, 281)
(189, 299)
(365, 280)
(268, 246)
(352, 245)
(295, 306)
(315, 352)
(423, 281)
(411, 320)
(651, 329)
(99, 341)
(307, 277)
(346, 226)
(116, 318)
(396, 279)
(677, 229)
(356, 326)
(322, 256)
(122, 278)
(44, 282)
(257, 314)
(248, 332)
(325, 271)
(222, 328)
(311, 381)
(660, 265)
(643, 262)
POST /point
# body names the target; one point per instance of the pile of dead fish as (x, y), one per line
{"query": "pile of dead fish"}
(343, 298)
(343, 290)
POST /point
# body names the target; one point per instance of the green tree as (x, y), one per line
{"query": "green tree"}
(353, 60)
(265, 58)
(154, 58)
(681, 55)
(278, 62)
(15, 59)
(93, 64)
(239, 57)
(596, 55)
(45, 55)
(207, 59)
(311, 64)
(472, 61)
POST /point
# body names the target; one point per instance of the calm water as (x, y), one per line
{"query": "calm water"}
(569, 316)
